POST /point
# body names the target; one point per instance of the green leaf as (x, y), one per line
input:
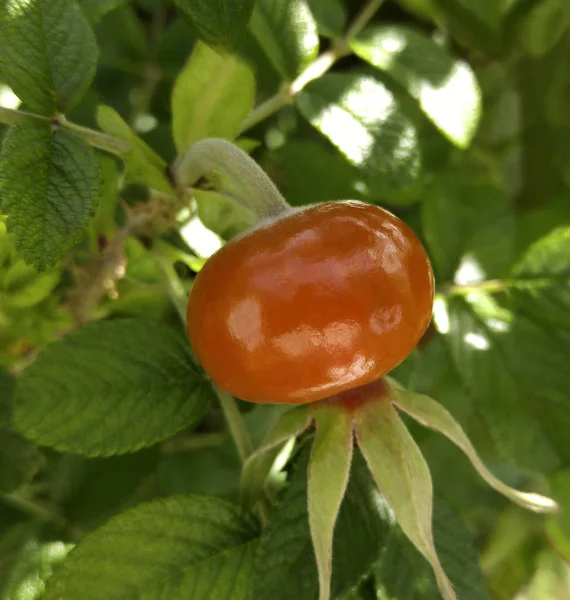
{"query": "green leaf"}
(222, 214)
(365, 121)
(19, 461)
(258, 465)
(456, 550)
(24, 287)
(107, 485)
(537, 357)
(95, 10)
(6, 393)
(476, 330)
(109, 388)
(331, 456)
(469, 225)
(558, 526)
(312, 173)
(445, 88)
(50, 184)
(51, 73)
(179, 547)
(30, 563)
(143, 165)
(545, 26)
(543, 289)
(218, 22)
(211, 97)
(402, 474)
(285, 564)
(330, 16)
(475, 22)
(431, 414)
(287, 32)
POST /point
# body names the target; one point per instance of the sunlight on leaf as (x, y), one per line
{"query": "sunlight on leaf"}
(477, 340)
(445, 88)
(440, 315)
(366, 122)
(470, 271)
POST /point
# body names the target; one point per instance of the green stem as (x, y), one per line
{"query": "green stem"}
(34, 509)
(176, 290)
(362, 18)
(235, 423)
(232, 172)
(97, 139)
(316, 69)
(494, 286)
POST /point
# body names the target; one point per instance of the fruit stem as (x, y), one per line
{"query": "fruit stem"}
(231, 171)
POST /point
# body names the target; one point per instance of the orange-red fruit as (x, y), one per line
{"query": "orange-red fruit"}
(316, 302)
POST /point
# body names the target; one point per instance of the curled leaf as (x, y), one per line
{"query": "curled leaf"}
(403, 476)
(329, 467)
(258, 465)
(431, 414)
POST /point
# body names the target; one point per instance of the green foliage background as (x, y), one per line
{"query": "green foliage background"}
(453, 114)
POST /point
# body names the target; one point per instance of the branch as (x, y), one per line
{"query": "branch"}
(95, 138)
(316, 69)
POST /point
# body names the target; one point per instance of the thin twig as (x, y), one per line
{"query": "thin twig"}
(97, 139)
(323, 63)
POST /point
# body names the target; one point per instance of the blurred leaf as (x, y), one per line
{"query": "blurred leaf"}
(445, 88)
(218, 22)
(330, 16)
(144, 166)
(95, 10)
(179, 547)
(24, 287)
(537, 358)
(476, 330)
(469, 225)
(551, 579)
(311, 173)
(287, 32)
(544, 274)
(19, 461)
(545, 26)
(558, 526)
(475, 22)
(6, 393)
(402, 574)
(109, 388)
(31, 563)
(103, 223)
(50, 76)
(507, 559)
(366, 122)
(212, 469)
(285, 565)
(107, 485)
(222, 214)
(50, 185)
(425, 9)
(211, 97)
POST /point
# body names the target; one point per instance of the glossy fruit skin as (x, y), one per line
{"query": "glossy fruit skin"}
(318, 301)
